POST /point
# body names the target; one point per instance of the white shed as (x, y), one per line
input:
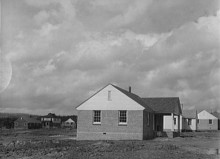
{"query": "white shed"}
(70, 123)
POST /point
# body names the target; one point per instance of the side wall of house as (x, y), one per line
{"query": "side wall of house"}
(109, 129)
(148, 132)
(186, 125)
(204, 124)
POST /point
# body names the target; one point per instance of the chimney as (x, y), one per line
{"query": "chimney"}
(129, 89)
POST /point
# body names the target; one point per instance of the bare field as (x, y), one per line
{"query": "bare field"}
(61, 143)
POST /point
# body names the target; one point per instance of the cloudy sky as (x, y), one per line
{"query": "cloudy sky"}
(62, 51)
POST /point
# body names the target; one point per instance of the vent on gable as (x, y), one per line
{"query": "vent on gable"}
(109, 96)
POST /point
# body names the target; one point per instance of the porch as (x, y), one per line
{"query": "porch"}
(167, 125)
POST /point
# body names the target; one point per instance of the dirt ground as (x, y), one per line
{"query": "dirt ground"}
(61, 143)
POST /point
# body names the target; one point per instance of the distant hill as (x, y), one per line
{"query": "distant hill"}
(15, 115)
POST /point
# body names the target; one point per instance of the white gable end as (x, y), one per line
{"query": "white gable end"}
(110, 98)
(205, 115)
(69, 121)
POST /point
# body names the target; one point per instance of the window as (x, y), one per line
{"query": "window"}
(174, 120)
(109, 96)
(123, 117)
(210, 121)
(148, 118)
(97, 117)
(189, 121)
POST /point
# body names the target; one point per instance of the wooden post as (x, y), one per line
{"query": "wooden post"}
(172, 122)
(178, 123)
(153, 122)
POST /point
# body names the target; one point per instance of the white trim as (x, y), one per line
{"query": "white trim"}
(123, 123)
(96, 123)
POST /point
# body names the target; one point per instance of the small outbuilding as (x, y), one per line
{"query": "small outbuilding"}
(69, 123)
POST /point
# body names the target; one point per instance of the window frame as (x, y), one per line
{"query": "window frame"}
(119, 117)
(100, 116)
(211, 121)
(174, 121)
(189, 122)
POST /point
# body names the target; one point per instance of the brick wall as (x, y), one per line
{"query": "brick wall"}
(204, 124)
(109, 128)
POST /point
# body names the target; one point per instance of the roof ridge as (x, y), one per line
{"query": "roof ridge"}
(141, 102)
(158, 97)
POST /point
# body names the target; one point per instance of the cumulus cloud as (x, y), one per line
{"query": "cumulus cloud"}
(130, 14)
(65, 53)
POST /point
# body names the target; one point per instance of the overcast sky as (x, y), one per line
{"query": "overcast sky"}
(63, 51)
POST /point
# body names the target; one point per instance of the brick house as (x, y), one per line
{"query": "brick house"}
(113, 113)
(207, 121)
(27, 123)
(51, 121)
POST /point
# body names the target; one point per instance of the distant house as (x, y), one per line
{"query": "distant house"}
(113, 113)
(207, 121)
(69, 123)
(51, 121)
(27, 123)
(189, 120)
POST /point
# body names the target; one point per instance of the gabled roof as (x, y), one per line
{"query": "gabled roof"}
(135, 97)
(191, 114)
(216, 114)
(164, 104)
(50, 115)
(70, 120)
(204, 114)
(28, 119)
